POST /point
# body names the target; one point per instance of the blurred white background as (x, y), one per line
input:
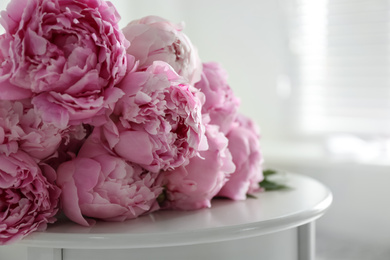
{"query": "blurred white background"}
(314, 74)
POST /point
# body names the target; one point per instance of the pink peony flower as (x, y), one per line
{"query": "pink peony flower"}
(10, 130)
(221, 103)
(158, 123)
(105, 187)
(28, 201)
(194, 185)
(244, 146)
(22, 128)
(156, 39)
(72, 140)
(66, 55)
(40, 139)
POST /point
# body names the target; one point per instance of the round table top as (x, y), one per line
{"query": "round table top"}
(270, 211)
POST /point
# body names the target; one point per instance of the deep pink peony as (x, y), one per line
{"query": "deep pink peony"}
(245, 148)
(194, 185)
(221, 103)
(21, 128)
(157, 123)
(28, 201)
(66, 55)
(105, 187)
(156, 39)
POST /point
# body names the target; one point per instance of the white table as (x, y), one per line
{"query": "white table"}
(262, 228)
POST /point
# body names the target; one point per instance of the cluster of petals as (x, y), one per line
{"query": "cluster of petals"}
(245, 148)
(155, 39)
(231, 167)
(66, 55)
(21, 128)
(158, 122)
(112, 124)
(221, 104)
(194, 185)
(97, 184)
(28, 200)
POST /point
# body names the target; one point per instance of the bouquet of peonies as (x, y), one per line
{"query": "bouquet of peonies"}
(102, 123)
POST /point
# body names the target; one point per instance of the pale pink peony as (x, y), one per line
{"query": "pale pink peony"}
(21, 128)
(28, 201)
(221, 104)
(245, 148)
(194, 185)
(66, 55)
(156, 39)
(105, 187)
(157, 123)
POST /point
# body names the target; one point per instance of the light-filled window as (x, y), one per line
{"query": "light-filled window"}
(340, 67)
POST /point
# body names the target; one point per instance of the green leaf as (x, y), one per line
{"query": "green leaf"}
(269, 172)
(269, 185)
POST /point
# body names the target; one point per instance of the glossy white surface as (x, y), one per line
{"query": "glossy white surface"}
(265, 247)
(226, 220)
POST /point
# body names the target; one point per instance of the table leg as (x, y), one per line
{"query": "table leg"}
(306, 241)
(39, 253)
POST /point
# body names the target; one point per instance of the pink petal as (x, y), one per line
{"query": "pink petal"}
(9, 91)
(69, 196)
(135, 146)
(36, 43)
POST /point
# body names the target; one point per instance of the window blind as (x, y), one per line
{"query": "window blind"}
(341, 68)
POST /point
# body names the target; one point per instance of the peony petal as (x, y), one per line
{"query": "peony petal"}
(103, 211)
(36, 44)
(9, 91)
(135, 146)
(51, 112)
(69, 195)
(87, 173)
